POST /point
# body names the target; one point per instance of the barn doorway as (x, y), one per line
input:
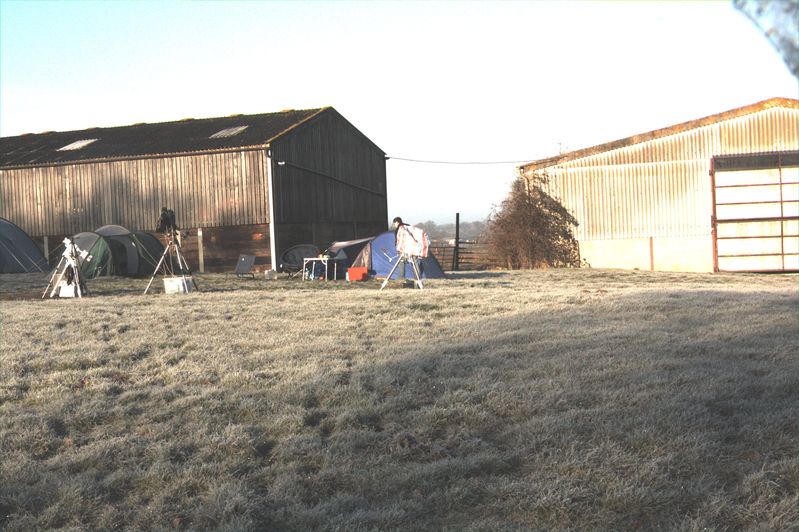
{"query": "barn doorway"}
(756, 212)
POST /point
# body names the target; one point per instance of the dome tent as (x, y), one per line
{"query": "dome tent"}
(118, 251)
(141, 250)
(18, 253)
(379, 254)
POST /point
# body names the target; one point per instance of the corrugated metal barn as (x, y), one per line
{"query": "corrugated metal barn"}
(244, 184)
(720, 193)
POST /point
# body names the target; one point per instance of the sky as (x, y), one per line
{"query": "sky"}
(455, 81)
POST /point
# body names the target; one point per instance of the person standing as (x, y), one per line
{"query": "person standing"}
(407, 232)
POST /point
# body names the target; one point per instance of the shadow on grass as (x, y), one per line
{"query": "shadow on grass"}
(671, 409)
(638, 414)
(31, 286)
(476, 274)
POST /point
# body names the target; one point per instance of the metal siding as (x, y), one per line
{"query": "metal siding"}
(661, 188)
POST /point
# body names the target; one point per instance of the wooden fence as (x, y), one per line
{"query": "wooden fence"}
(471, 256)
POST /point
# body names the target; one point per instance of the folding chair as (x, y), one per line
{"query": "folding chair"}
(244, 266)
(292, 258)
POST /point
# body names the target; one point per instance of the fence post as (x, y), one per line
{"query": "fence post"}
(456, 250)
(200, 255)
(46, 243)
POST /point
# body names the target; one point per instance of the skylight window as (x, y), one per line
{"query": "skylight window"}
(78, 144)
(229, 132)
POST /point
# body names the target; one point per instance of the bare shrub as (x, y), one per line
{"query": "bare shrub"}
(531, 229)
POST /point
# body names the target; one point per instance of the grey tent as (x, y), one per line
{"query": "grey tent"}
(115, 250)
(18, 253)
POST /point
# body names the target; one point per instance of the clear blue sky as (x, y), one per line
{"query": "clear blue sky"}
(450, 81)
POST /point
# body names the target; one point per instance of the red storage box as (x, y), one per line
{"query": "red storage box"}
(358, 273)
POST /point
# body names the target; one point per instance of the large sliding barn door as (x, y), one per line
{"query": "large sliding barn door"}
(756, 212)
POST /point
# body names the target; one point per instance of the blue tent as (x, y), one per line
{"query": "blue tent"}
(379, 254)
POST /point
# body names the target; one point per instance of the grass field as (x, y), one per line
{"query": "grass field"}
(556, 399)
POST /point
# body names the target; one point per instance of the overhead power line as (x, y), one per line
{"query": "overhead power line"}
(456, 162)
(322, 174)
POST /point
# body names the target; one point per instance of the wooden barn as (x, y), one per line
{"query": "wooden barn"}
(243, 184)
(719, 193)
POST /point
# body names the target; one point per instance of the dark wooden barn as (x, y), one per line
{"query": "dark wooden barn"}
(244, 184)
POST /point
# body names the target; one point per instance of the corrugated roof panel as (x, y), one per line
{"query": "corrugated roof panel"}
(167, 138)
(776, 105)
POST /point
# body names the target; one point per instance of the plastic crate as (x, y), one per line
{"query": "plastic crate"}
(357, 273)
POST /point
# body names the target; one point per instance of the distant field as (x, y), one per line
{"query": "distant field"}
(560, 399)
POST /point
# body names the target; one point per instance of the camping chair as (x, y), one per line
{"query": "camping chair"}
(244, 265)
(292, 258)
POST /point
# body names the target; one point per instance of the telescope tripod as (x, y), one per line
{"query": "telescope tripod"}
(404, 257)
(67, 279)
(176, 262)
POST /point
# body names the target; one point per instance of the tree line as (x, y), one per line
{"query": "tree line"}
(529, 229)
(468, 230)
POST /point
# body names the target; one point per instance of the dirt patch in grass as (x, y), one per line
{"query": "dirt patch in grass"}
(560, 399)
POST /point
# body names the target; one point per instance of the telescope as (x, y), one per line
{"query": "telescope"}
(172, 261)
(166, 222)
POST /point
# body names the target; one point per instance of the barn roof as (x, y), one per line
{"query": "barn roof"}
(786, 103)
(182, 136)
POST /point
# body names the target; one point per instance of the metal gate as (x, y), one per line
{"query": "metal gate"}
(756, 212)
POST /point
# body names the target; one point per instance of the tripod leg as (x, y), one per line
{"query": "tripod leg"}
(388, 277)
(60, 278)
(184, 265)
(184, 270)
(76, 281)
(80, 287)
(52, 277)
(416, 273)
(157, 268)
(169, 263)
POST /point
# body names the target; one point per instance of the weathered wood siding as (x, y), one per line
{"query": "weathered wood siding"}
(207, 190)
(330, 185)
(329, 182)
(223, 245)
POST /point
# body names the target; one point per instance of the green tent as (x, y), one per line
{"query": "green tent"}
(114, 250)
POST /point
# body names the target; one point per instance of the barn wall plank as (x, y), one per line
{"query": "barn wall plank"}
(205, 191)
